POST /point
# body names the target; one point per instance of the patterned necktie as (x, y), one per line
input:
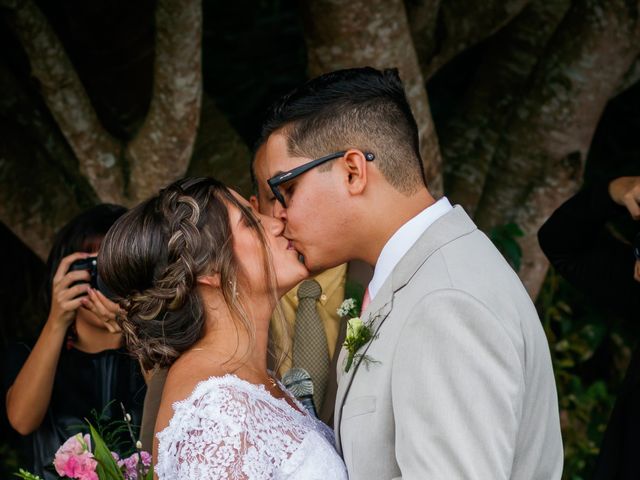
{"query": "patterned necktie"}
(310, 340)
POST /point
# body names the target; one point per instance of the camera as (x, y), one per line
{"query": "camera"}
(91, 265)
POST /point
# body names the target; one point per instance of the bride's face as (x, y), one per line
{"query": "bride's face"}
(289, 271)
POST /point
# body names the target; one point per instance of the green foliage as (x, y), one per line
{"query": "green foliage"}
(504, 238)
(107, 466)
(27, 475)
(354, 290)
(577, 332)
(114, 431)
(9, 459)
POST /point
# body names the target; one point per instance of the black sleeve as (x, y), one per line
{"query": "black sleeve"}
(580, 247)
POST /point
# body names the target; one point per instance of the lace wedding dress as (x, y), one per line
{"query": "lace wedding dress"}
(232, 429)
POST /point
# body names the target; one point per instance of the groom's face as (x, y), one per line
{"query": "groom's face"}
(316, 203)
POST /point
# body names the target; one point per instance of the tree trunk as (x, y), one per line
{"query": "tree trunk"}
(630, 78)
(41, 185)
(33, 206)
(550, 132)
(469, 139)
(383, 40)
(219, 151)
(441, 30)
(160, 152)
(98, 152)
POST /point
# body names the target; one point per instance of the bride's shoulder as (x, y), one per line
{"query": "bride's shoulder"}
(190, 385)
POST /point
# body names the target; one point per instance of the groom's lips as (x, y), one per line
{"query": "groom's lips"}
(291, 246)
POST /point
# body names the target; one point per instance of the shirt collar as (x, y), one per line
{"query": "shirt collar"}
(329, 281)
(401, 241)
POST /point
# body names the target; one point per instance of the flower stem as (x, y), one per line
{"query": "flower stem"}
(349, 362)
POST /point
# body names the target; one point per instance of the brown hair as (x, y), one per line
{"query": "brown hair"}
(360, 108)
(152, 256)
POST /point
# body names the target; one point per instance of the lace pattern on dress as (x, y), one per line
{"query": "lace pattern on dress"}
(230, 428)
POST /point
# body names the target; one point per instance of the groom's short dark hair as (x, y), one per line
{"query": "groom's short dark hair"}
(360, 108)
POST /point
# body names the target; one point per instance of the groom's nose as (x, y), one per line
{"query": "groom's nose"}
(279, 211)
(275, 226)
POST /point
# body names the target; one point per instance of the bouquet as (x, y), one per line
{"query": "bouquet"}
(87, 457)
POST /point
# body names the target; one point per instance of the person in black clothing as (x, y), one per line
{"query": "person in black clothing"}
(77, 364)
(580, 247)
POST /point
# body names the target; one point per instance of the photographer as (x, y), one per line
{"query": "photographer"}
(77, 364)
(586, 253)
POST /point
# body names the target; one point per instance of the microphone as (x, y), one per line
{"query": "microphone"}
(299, 383)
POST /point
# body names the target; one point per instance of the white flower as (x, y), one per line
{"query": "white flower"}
(354, 327)
(346, 307)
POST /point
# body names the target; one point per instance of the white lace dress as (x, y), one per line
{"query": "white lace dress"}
(232, 429)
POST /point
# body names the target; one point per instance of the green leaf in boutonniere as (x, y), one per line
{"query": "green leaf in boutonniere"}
(358, 334)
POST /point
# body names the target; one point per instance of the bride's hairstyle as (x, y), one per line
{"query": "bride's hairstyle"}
(152, 256)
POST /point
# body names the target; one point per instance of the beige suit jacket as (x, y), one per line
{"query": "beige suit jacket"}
(461, 386)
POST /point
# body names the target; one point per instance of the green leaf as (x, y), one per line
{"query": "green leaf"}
(504, 238)
(149, 475)
(21, 473)
(107, 466)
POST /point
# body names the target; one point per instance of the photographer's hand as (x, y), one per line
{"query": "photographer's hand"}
(625, 191)
(103, 308)
(65, 299)
(29, 396)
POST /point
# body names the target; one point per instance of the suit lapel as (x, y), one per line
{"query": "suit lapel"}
(447, 228)
(375, 315)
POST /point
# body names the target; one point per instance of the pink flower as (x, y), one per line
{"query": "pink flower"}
(75, 460)
(130, 465)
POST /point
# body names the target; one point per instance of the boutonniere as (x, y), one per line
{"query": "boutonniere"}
(359, 333)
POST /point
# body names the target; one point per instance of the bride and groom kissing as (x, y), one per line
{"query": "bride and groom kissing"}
(460, 383)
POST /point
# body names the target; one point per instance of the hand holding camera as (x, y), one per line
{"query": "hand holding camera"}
(625, 191)
(74, 285)
(68, 289)
(103, 308)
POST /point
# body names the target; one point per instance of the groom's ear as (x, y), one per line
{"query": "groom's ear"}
(355, 165)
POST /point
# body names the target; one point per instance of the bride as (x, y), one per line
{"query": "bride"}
(199, 275)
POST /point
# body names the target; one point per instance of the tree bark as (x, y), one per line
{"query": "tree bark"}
(161, 150)
(541, 154)
(469, 139)
(382, 40)
(41, 185)
(630, 78)
(219, 151)
(33, 206)
(441, 30)
(98, 152)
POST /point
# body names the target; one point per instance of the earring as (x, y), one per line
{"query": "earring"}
(234, 290)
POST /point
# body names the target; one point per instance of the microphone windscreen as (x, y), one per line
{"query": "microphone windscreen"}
(298, 382)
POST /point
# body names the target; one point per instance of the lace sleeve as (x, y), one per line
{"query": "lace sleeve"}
(224, 432)
(207, 437)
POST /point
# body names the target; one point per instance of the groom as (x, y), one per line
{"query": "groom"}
(457, 381)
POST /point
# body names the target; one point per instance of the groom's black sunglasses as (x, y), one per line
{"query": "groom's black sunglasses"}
(284, 177)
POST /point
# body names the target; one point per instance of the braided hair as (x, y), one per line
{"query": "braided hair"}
(151, 259)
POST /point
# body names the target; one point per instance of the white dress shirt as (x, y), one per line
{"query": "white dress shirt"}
(401, 241)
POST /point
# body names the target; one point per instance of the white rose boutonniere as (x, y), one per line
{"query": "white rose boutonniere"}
(359, 333)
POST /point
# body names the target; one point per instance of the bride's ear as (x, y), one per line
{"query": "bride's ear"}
(212, 280)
